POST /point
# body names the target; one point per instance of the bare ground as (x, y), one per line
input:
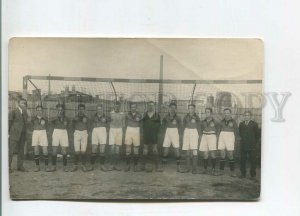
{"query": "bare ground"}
(129, 185)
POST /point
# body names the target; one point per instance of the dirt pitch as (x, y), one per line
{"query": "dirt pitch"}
(129, 185)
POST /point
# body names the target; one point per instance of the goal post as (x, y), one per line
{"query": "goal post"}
(239, 95)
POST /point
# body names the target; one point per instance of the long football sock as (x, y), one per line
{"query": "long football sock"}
(205, 163)
(128, 158)
(76, 159)
(222, 164)
(46, 160)
(102, 159)
(37, 160)
(231, 165)
(83, 158)
(54, 158)
(213, 163)
(164, 159)
(65, 160)
(135, 159)
(93, 158)
(178, 160)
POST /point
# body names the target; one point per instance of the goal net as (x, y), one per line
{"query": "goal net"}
(48, 91)
(239, 95)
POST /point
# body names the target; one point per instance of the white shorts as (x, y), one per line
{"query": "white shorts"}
(99, 136)
(60, 137)
(39, 138)
(208, 142)
(171, 138)
(132, 136)
(80, 140)
(115, 136)
(226, 141)
(190, 139)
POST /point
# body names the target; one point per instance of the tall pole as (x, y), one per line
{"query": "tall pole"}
(25, 87)
(160, 88)
(25, 95)
(49, 85)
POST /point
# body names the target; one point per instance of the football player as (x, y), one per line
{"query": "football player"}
(227, 138)
(81, 128)
(132, 136)
(117, 126)
(39, 138)
(208, 143)
(192, 128)
(99, 137)
(59, 128)
(171, 125)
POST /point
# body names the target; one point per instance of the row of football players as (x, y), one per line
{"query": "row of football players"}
(213, 135)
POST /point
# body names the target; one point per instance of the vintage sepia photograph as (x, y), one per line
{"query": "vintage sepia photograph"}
(135, 119)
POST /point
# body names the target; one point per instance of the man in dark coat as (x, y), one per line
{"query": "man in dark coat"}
(249, 133)
(18, 120)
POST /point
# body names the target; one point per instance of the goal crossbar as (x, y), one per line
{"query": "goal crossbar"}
(93, 79)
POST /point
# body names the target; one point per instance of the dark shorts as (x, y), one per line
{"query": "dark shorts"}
(150, 137)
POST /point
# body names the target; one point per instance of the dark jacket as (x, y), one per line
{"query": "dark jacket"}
(249, 135)
(17, 123)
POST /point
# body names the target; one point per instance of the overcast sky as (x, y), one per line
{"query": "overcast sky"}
(135, 58)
